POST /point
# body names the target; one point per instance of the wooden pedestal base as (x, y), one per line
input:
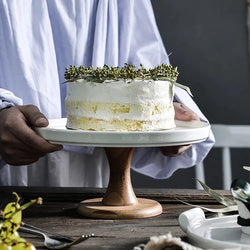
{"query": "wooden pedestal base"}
(119, 201)
(94, 208)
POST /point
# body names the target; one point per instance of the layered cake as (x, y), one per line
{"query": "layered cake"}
(120, 99)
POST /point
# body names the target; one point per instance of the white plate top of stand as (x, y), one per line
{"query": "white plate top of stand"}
(185, 132)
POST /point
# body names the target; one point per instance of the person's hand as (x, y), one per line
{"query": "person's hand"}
(185, 114)
(19, 143)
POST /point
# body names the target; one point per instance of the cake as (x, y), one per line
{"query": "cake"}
(120, 99)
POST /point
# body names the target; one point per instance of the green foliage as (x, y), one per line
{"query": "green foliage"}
(128, 72)
(12, 219)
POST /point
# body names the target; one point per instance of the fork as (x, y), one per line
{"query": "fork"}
(56, 242)
(54, 234)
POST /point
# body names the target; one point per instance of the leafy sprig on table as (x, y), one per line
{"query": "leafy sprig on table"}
(161, 72)
(12, 219)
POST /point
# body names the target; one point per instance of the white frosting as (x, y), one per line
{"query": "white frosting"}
(122, 100)
(138, 91)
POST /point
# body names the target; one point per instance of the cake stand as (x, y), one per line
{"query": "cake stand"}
(120, 201)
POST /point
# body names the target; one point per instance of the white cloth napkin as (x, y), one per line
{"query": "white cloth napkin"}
(164, 242)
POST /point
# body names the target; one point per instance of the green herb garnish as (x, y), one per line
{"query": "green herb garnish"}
(162, 72)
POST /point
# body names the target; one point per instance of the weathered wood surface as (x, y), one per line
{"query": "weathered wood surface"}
(58, 214)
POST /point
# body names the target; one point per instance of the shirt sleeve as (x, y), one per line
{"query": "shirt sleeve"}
(8, 99)
(151, 162)
(79, 149)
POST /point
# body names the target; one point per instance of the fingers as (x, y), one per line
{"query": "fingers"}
(17, 157)
(30, 138)
(183, 113)
(19, 144)
(174, 150)
(33, 116)
(16, 153)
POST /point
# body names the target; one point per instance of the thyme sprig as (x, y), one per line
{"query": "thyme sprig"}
(162, 72)
(128, 72)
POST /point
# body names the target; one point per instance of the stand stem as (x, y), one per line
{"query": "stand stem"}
(120, 191)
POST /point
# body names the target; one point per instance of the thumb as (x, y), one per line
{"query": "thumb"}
(183, 113)
(34, 116)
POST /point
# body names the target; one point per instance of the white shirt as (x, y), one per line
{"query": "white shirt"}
(38, 39)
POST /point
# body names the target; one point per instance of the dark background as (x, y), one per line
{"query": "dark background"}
(208, 42)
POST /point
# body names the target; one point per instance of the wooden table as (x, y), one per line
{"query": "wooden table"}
(58, 214)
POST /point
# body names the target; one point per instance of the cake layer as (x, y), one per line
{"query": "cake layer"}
(86, 123)
(107, 111)
(120, 105)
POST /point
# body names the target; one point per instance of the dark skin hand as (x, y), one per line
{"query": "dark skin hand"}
(182, 113)
(20, 145)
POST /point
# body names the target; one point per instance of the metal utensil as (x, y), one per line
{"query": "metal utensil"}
(240, 190)
(24, 224)
(56, 242)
